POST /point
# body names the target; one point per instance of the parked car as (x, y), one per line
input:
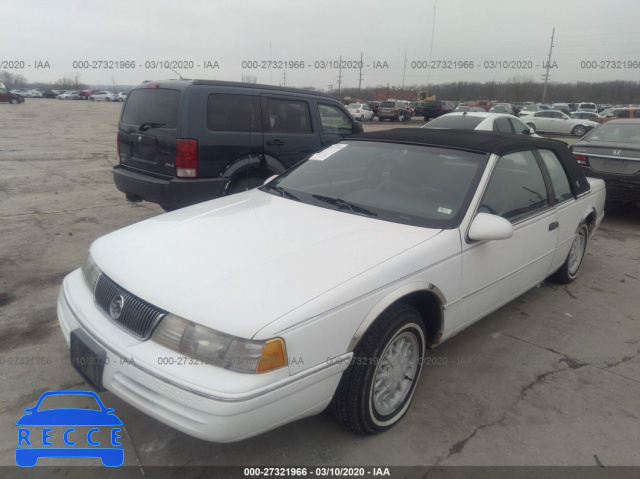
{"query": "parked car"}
(484, 104)
(8, 97)
(592, 107)
(69, 95)
(181, 142)
(436, 108)
(36, 94)
(418, 107)
(553, 121)
(50, 94)
(621, 113)
(507, 108)
(374, 105)
(103, 96)
(394, 110)
(612, 152)
(23, 92)
(360, 111)
(326, 286)
(122, 96)
(481, 121)
(563, 107)
(86, 94)
(470, 109)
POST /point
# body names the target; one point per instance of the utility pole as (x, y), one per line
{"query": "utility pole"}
(330, 86)
(405, 65)
(360, 76)
(546, 75)
(284, 78)
(340, 77)
(433, 29)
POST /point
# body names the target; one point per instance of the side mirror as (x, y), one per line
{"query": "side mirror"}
(357, 127)
(490, 227)
(269, 179)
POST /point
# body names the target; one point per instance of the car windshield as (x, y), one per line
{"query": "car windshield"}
(353, 106)
(462, 122)
(615, 132)
(401, 183)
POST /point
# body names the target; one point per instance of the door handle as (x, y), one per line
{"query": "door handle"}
(553, 225)
(275, 143)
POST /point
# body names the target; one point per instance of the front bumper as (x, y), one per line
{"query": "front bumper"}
(169, 192)
(198, 400)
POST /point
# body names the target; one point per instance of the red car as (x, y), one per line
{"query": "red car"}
(9, 97)
(85, 94)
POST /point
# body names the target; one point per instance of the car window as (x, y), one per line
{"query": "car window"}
(334, 121)
(233, 113)
(157, 105)
(543, 114)
(289, 116)
(502, 124)
(624, 114)
(561, 188)
(516, 188)
(387, 104)
(616, 132)
(519, 127)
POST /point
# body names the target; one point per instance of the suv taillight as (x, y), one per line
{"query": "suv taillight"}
(187, 158)
(582, 160)
(118, 147)
(395, 110)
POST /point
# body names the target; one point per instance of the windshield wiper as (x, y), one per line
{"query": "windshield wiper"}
(149, 124)
(342, 204)
(284, 193)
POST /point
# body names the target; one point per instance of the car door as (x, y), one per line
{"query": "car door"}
(4, 95)
(543, 121)
(495, 272)
(288, 131)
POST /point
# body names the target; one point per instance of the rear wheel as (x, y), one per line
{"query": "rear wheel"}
(107, 99)
(569, 269)
(13, 101)
(376, 389)
(578, 130)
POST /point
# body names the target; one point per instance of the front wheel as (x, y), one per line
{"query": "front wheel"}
(13, 101)
(376, 389)
(578, 130)
(569, 269)
(107, 99)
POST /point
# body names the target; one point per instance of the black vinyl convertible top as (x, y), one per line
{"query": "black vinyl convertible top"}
(483, 142)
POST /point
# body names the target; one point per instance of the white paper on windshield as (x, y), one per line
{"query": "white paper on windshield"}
(327, 152)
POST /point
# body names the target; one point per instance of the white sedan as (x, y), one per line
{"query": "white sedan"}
(553, 121)
(69, 95)
(360, 111)
(104, 96)
(501, 122)
(325, 287)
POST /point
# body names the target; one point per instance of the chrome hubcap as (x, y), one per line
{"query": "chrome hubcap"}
(395, 373)
(577, 251)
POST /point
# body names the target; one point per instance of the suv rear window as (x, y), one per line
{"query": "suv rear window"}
(433, 103)
(155, 105)
(233, 113)
(388, 104)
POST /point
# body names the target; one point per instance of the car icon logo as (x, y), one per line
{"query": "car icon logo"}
(116, 306)
(67, 432)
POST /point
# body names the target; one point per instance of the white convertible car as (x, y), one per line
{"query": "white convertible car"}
(324, 287)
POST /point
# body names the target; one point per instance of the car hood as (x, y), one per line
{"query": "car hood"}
(238, 263)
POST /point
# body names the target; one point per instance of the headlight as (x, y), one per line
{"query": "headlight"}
(90, 273)
(219, 349)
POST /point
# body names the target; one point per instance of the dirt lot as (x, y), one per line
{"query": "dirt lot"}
(552, 378)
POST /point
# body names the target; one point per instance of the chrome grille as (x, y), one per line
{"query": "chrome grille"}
(135, 315)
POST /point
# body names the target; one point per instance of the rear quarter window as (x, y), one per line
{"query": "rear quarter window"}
(155, 105)
(233, 113)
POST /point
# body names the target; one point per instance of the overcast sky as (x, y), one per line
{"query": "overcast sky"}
(311, 32)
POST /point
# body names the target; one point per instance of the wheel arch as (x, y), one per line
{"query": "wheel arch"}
(425, 297)
(589, 217)
(264, 163)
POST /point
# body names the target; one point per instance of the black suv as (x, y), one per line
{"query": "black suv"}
(436, 108)
(181, 142)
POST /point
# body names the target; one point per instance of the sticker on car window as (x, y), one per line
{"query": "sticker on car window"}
(446, 211)
(327, 152)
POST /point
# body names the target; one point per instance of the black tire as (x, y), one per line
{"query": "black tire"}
(91, 98)
(244, 184)
(532, 126)
(13, 101)
(355, 403)
(107, 99)
(579, 130)
(570, 268)
(168, 208)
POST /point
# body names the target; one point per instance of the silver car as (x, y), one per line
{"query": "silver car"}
(553, 121)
